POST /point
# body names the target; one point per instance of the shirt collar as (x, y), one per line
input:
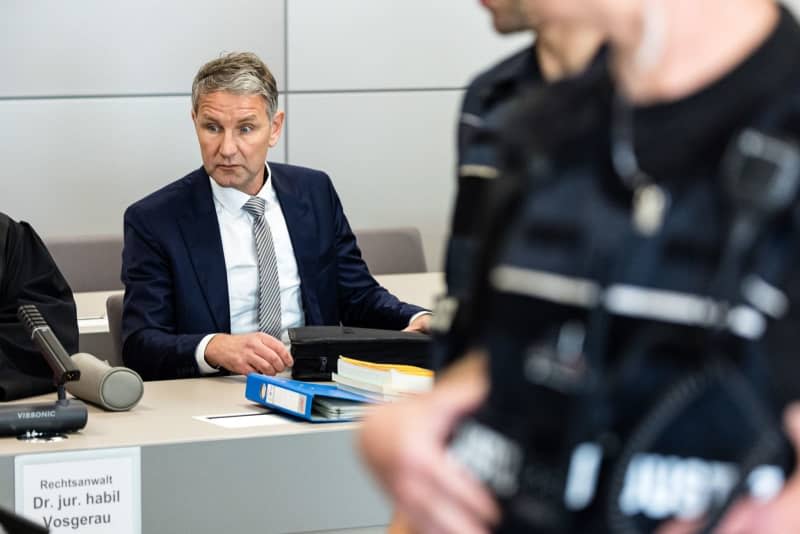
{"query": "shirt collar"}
(233, 200)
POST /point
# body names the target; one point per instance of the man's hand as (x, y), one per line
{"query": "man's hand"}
(421, 324)
(405, 443)
(781, 515)
(248, 353)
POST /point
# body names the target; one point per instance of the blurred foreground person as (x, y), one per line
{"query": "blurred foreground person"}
(637, 296)
(558, 51)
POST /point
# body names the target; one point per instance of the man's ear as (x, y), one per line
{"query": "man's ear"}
(277, 127)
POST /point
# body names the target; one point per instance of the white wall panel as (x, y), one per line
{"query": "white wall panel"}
(85, 47)
(390, 44)
(391, 156)
(72, 166)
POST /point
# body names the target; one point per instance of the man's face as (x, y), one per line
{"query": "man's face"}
(507, 15)
(235, 134)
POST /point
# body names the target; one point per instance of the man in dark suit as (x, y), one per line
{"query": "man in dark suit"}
(219, 264)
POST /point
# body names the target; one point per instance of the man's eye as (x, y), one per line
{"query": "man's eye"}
(246, 129)
(213, 128)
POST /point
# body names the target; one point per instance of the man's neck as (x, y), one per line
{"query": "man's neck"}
(691, 44)
(565, 50)
(255, 185)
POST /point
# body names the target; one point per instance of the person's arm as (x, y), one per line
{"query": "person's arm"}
(362, 301)
(420, 322)
(30, 276)
(151, 345)
(405, 444)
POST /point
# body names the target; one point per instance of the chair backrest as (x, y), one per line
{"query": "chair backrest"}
(392, 250)
(89, 263)
(114, 315)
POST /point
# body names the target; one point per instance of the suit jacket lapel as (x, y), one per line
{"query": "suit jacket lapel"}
(200, 230)
(301, 222)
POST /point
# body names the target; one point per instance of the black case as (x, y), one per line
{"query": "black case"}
(316, 349)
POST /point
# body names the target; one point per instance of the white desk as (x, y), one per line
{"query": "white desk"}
(415, 288)
(201, 478)
(421, 289)
(91, 307)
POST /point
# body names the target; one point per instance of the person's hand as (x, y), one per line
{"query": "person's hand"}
(421, 324)
(247, 353)
(405, 444)
(780, 515)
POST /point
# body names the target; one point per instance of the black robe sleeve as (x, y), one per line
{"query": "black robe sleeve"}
(28, 275)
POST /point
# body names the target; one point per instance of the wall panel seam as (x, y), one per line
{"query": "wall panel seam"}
(286, 78)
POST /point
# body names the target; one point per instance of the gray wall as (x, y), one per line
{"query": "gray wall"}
(94, 100)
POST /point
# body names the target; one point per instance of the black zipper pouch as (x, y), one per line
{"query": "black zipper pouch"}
(316, 349)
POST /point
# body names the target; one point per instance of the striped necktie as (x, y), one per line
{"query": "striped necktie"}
(269, 289)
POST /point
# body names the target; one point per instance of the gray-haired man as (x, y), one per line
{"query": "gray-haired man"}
(219, 264)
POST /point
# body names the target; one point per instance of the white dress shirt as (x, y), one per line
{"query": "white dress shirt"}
(241, 264)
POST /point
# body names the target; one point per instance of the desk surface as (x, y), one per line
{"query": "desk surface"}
(201, 478)
(415, 288)
(165, 416)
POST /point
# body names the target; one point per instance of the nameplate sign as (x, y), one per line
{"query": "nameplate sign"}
(91, 492)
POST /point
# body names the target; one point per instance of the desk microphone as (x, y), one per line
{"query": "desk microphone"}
(59, 417)
(113, 388)
(49, 345)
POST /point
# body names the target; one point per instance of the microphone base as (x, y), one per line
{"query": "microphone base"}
(42, 418)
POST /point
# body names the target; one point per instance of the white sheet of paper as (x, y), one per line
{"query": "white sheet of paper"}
(242, 420)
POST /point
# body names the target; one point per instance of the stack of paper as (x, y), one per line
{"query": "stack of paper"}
(331, 408)
(381, 381)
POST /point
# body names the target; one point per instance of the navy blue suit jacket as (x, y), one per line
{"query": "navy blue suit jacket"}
(176, 288)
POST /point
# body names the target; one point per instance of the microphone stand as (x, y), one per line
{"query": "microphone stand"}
(45, 420)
